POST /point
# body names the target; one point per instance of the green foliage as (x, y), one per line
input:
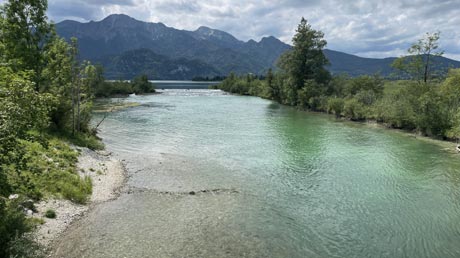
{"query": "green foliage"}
(119, 88)
(432, 114)
(87, 140)
(24, 31)
(450, 91)
(305, 62)
(58, 76)
(138, 85)
(50, 214)
(396, 109)
(38, 171)
(25, 246)
(13, 224)
(367, 83)
(354, 110)
(21, 107)
(43, 88)
(141, 85)
(419, 64)
(335, 106)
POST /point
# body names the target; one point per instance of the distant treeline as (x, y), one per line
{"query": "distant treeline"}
(209, 79)
(139, 85)
(430, 106)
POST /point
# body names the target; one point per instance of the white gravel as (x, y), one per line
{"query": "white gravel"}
(107, 174)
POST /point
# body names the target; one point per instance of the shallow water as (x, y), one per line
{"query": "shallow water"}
(267, 181)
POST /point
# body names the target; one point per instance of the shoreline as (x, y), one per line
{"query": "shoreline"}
(448, 144)
(108, 176)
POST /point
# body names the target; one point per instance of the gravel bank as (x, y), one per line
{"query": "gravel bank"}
(107, 174)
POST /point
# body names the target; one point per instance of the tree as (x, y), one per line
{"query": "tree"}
(75, 78)
(56, 79)
(25, 32)
(141, 85)
(450, 91)
(419, 64)
(273, 88)
(306, 60)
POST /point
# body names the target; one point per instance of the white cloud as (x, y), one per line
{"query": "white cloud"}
(374, 28)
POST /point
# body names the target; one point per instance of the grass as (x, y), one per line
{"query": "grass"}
(47, 170)
(79, 139)
(34, 222)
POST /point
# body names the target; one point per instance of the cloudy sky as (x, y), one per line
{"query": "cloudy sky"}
(371, 28)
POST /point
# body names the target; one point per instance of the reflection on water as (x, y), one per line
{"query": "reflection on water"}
(217, 175)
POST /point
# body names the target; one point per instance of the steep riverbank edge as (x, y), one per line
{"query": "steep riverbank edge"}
(108, 176)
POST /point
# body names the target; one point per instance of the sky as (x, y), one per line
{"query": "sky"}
(368, 28)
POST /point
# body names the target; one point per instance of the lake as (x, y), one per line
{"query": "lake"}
(218, 175)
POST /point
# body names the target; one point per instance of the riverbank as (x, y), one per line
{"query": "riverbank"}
(447, 144)
(107, 175)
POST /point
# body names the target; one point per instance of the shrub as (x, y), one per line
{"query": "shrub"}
(141, 85)
(36, 171)
(335, 106)
(50, 214)
(13, 224)
(354, 110)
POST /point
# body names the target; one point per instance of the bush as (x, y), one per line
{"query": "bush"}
(13, 224)
(141, 85)
(25, 247)
(50, 214)
(335, 106)
(36, 171)
(354, 110)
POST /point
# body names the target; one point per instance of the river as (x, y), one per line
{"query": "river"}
(218, 175)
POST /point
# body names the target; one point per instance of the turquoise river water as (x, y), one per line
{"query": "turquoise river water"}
(218, 175)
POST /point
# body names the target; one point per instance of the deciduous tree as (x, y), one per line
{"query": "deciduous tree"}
(419, 64)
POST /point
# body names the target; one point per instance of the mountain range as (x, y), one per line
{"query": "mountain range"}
(127, 47)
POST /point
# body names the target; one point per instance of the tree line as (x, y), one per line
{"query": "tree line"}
(427, 102)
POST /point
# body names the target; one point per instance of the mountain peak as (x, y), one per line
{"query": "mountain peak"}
(270, 39)
(204, 32)
(203, 29)
(116, 16)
